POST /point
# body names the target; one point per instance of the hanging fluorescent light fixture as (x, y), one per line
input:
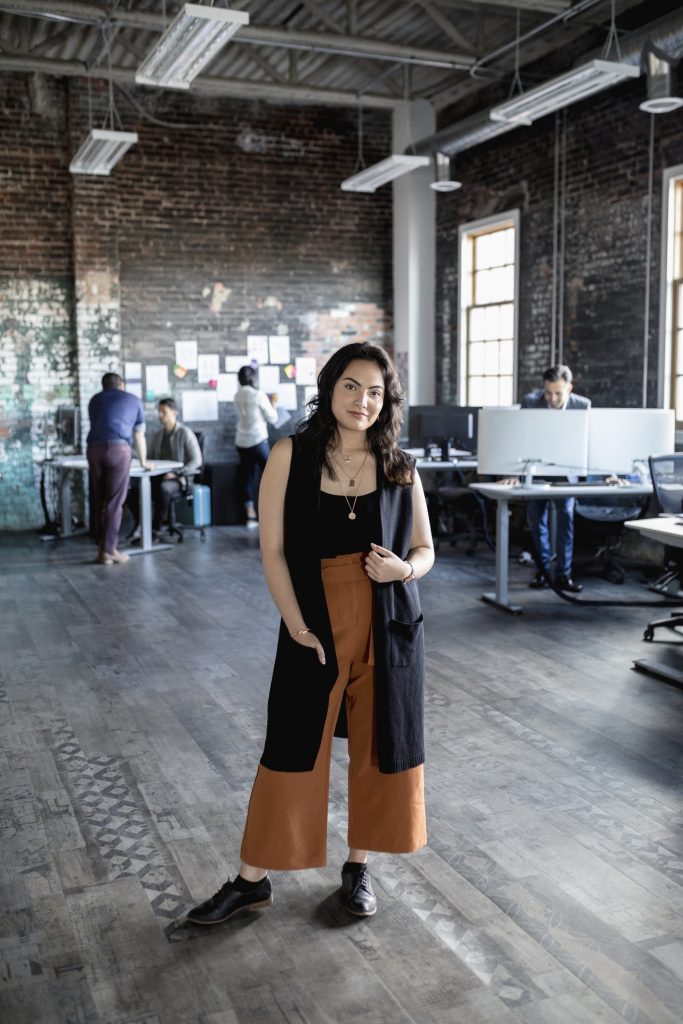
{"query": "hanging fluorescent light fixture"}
(444, 182)
(370, 178)
(562, 91)
(101, 150)
(189, 43)
(659, 66)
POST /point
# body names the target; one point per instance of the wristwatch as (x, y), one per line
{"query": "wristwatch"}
(412, 576)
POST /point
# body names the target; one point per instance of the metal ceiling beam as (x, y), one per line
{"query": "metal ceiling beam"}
(207, 85)
(322, 42)
(447, 26)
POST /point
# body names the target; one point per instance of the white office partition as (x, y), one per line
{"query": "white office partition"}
(619, 437)
(554, 441)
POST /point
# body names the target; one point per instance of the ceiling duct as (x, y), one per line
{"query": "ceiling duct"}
(665, 33)
(659, 69)
(444, 182)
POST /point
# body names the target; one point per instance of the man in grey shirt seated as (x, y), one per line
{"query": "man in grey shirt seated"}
(179, 444)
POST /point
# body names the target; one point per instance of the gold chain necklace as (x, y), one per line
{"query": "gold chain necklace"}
(352, 507)
(351, 479)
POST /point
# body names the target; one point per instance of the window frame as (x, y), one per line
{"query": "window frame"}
(666, 377)
(499, 221)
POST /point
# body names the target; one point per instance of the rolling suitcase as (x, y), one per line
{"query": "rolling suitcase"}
(197, 512)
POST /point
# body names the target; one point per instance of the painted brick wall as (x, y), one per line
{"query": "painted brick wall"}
(37, 337)
(231, 224)
(607, 168)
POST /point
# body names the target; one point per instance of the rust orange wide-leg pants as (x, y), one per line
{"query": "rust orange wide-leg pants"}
(286, 825)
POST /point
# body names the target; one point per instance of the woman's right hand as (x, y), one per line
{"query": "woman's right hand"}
(311, 640)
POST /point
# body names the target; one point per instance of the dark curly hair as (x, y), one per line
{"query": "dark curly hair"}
(317, 432)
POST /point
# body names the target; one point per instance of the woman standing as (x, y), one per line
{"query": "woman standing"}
(254, 413)
(344, 536)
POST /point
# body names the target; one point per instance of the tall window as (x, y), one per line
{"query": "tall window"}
(673, 299)
(488, 310)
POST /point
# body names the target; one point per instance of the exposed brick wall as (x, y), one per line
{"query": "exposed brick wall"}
(233, 226)
(607, 170)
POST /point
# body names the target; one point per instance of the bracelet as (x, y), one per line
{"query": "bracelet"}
(411, 576)
(300, 632)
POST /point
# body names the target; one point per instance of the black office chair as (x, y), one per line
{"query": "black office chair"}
(607, 517)
(176, 529)
(667, 481)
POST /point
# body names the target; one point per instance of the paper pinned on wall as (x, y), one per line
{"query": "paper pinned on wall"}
(257, 347)
(269, 379)
(186, 354)
(156, 380)
(208, 368)
(227, 387)
(305, 370)
(200, 406)
(235, 363)
(134, 387)
(279, 348)
(132, 371)
(286, 396)
(309, 393)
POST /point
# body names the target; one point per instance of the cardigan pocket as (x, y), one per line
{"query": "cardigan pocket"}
(405, 641)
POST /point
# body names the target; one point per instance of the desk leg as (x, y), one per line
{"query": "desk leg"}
(500, 597)
(65, 488)
(147, 547)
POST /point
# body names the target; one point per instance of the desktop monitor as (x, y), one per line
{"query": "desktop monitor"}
(619, 437)
(556, 442)
(439, 422)
(68, 425)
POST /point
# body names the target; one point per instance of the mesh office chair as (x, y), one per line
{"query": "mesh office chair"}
(607, 517)
(667, 480)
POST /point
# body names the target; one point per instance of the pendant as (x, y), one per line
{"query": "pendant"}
(347, 458)
(352, 515)
(352, 483)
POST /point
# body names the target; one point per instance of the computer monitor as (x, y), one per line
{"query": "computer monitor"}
(619, 437)
(68, 425)
(555, 442)
(439, 422)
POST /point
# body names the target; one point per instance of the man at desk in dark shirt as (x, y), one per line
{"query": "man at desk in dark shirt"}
(557, 395)
(117, 422)
(177, 443)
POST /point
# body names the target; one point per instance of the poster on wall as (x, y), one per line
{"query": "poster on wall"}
(132, 371)
(257, 347)
(227, 387)
(134, 387)
(208, 368)
(269, 378)
(156, 381)
(233, 364)
(305, 370)
(287, 397)
(309, 393)
(200, 406)
(279, 348)
(186, 354)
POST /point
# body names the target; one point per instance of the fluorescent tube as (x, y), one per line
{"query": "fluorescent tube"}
(101, 150)
(370, 178)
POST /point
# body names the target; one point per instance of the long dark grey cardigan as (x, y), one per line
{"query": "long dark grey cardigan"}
(300, 687)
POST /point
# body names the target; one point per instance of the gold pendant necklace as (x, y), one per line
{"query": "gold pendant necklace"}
(351, 479)
(352, 507)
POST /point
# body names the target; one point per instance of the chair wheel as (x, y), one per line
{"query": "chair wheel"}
(649, 633)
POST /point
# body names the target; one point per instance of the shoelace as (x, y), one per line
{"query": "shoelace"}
(362, 881)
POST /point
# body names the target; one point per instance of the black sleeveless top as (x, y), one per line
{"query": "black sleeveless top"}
(340, 535)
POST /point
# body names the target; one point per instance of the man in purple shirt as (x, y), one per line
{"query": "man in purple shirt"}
(117, 422)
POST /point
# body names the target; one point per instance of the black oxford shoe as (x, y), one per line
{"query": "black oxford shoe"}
(228, 901)
(359, 899)
(567, 583)
(538, 582)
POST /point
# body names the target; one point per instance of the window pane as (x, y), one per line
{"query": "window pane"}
(490, 391)
(507, 352)
(679, 398)
(475, 366)
(496, 285)
(507, 321)
(506, 391)
(477, 324)
(510, 245)
(476, 391)
(493, 323)
(491, 360)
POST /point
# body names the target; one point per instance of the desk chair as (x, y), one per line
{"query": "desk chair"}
(607, 517)
(667, 481)
(176, 529)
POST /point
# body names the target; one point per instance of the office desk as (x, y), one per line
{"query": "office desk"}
(504, 494)
(666, 530)
(440, 467)
(66, 463)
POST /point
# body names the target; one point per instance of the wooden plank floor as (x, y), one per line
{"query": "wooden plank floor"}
(132, 712)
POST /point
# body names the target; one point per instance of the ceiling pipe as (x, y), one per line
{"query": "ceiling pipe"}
(658, 67)
(666, 33)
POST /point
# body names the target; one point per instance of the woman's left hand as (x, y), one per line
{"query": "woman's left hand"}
(383, 566)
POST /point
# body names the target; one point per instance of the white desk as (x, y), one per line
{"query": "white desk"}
(503, 494)
(665, 529)
(429, 465)
(66, 463)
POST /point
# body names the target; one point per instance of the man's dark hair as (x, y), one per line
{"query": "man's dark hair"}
(558, 372)
(247, 376)
(170, 402)
(111, 380)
